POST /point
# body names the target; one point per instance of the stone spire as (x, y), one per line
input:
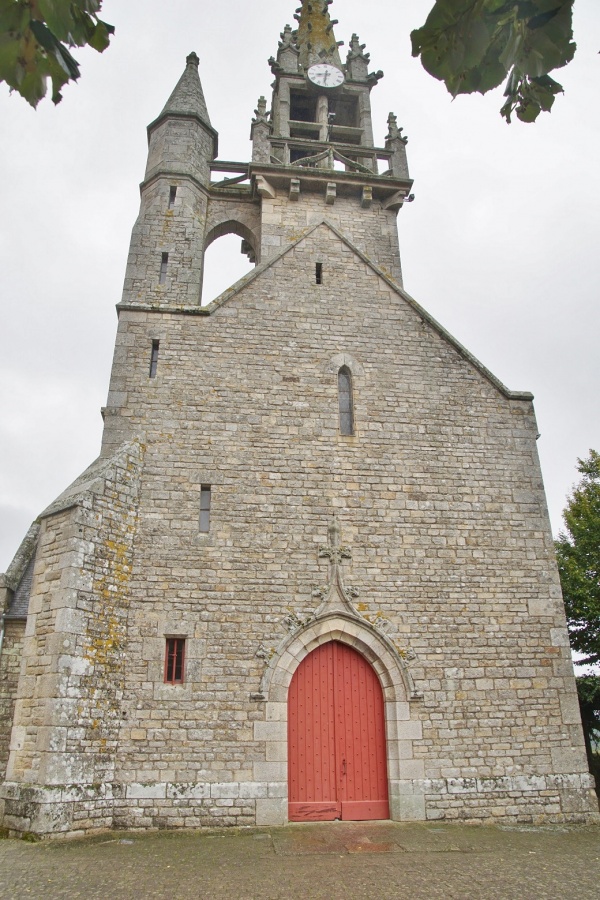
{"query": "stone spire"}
(316, 40)
(188, 97)
(171, 142)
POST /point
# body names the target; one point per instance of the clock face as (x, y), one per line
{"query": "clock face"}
(325, 75)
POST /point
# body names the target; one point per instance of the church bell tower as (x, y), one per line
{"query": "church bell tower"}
(316, 146)
(313, 160)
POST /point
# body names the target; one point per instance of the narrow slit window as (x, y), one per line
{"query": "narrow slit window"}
(172, 195)
(154, 358)
(319, 273)
(345, 401)
(174, 660)
(164, 265)
(205, 507)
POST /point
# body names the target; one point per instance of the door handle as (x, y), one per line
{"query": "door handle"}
(343, 767)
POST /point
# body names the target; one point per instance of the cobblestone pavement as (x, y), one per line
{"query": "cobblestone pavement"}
(329, 860)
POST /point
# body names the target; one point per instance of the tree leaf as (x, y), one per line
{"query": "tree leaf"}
(472, 45)
(34, 39)
(55, 49)
(58, 17)
(513, 48)
(9, 56)
(100, 37)
(528, 110)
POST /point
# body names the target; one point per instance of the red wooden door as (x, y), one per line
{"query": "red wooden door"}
(336, 738)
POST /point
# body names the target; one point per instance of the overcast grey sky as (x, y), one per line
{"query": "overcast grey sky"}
(501, 244)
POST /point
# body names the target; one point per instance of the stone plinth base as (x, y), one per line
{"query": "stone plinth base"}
(60, 810)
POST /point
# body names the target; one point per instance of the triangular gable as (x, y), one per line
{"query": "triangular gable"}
(236, 288)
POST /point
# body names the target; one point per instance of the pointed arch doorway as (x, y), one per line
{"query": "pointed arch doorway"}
(337, 760)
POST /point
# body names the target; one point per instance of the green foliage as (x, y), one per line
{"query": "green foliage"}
(474, 45)
(34, 37)
(578, 555)
(588, 691)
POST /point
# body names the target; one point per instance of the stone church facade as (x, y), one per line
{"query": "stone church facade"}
(307, 473)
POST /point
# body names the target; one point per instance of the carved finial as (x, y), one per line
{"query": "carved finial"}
(355, 44)
(260, 113)
(334, 551)
(336, 595)
(335, 533)
(395, 133)
(193, 59)
(287, 37)
(357, 61)
(357, 49)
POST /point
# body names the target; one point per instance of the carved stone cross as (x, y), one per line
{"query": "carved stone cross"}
(336, 595)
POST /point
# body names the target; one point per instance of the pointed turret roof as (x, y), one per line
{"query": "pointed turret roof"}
(188, 97)
(187, 101)
(316, 40)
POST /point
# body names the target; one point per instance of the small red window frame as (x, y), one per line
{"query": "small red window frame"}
(174, 660)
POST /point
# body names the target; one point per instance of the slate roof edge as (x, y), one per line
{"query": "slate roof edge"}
(22, 557)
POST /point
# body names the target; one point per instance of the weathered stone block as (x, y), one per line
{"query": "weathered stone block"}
(271, 812)
(146, 791)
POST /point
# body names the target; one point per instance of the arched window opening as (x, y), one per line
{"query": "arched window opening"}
(345, 401)
(226, 260)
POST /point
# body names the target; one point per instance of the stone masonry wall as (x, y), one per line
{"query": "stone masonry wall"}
(179, 232)
(10, 664)
(439, 494)
(68, 711)
(38, 680)
(180, 144)
(374, 230)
